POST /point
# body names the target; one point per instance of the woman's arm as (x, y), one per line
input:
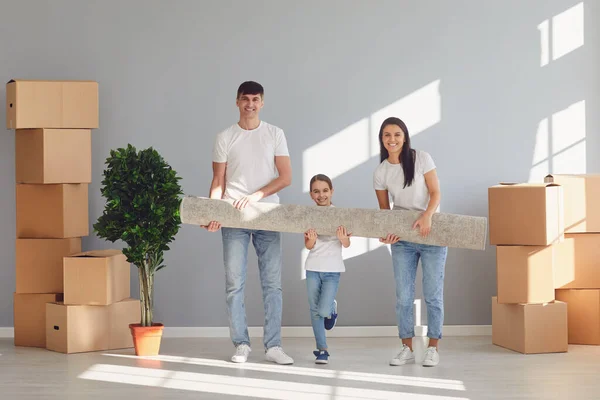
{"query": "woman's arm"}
(383, 199)
(384, 204)
(433, 187)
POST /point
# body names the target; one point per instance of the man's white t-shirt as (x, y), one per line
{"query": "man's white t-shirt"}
(250, 157)
(390, 177)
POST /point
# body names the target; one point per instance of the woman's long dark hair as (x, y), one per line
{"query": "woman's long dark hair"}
(407, 155)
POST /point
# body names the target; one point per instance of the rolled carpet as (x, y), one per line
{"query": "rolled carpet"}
(452, 230)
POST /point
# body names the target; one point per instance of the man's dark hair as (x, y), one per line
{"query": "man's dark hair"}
(250, 87)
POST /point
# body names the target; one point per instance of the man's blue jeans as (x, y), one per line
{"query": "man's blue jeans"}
(235, 254)
(405, 258)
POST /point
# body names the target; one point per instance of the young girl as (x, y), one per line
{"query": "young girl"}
(324, 265)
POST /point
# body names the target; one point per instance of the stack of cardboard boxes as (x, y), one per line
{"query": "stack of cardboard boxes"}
(52, 122)
(577, 268)
(526, 222)
(96, 311)
(537, 252)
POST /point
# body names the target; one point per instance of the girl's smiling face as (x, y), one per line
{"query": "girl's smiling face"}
(321, 193)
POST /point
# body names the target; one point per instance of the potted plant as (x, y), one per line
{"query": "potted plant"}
(142, 195)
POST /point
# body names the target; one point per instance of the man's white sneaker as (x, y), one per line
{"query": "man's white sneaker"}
(405, 356)
(277, 355)
(241, 353)
(432, 357)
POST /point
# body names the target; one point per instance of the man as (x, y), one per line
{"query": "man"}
(251, 163)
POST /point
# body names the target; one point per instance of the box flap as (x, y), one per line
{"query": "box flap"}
(47, 80)
(525, 185)
(550, 177)
(97, 253)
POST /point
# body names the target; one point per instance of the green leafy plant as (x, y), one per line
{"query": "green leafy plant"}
(142, 195)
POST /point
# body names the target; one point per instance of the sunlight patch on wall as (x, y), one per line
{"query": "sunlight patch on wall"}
(560, 146)
(361, 246)
(420, 110)
(303, 255)
(568, 140)
(541, 165)
(358, 142)
(337, 154)
(544, 28)
(562, 34)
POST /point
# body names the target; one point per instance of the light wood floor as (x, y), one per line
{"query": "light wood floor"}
(470, 368)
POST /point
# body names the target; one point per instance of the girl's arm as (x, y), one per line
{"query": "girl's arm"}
(310, 238)
(343, 236)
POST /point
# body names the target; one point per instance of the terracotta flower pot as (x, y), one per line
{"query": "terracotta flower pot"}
(146, 339)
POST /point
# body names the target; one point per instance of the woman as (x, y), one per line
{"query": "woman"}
(409, 177)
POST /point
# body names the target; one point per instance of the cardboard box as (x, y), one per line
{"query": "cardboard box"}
(582, 201)
(526, 214)
(30, 318)
(525, 274)
(53, 156)
(84, 328)
(530, 328)
(52, 211)
(583, 307)
(98, 277)
(39, 263)
(577, 262)
(51, 104)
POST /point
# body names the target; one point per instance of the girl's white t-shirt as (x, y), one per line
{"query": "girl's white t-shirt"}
(326, 255)
(390, 177)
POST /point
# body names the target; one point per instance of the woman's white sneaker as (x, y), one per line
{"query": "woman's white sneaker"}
(241, 353)
(432, 357)
(405, 356)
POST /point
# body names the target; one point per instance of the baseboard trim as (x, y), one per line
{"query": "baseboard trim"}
(7, 332)
(340, 331)
(306, 331)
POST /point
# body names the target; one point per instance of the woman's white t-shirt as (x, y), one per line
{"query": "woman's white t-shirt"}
(326, 255)
(390, 177)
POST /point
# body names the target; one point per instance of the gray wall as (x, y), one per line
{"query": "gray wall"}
(168, 72)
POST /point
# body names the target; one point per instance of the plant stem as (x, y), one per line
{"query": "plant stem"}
(146, 283)
(143, 304)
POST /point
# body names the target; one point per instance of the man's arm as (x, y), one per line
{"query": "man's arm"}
(284, 168)
(217, 188)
